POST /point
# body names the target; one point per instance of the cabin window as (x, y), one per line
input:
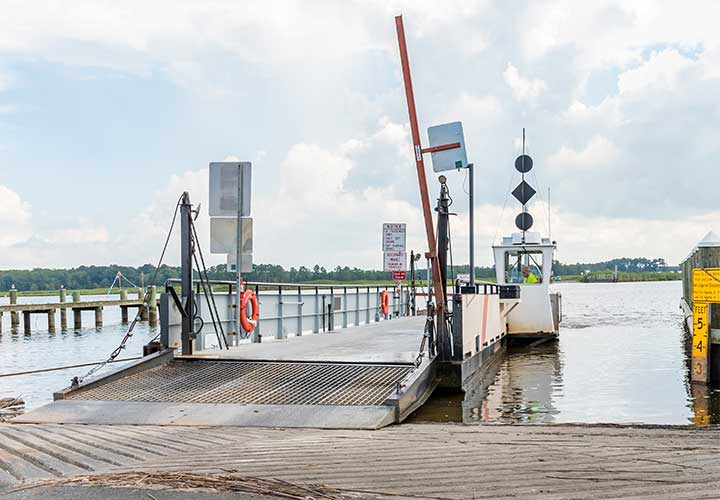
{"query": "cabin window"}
(523, 266)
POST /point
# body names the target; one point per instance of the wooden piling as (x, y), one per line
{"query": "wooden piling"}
(77, 313)
(152, 304)
(98, 317)
(123, 309)
(14, 316)
(63, 311)
(26, 322)
(705, 255)
(51, 320)
(143, 309)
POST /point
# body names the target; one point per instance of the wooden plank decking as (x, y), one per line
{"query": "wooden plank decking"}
(430, 460)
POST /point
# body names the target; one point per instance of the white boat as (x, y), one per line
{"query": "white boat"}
(538, 313)
(525, 259)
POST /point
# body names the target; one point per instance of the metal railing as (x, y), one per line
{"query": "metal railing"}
(296, 308)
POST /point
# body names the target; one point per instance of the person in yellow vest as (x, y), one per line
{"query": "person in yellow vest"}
(528, 277)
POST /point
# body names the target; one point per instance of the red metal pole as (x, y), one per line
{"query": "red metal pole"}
(420, 165)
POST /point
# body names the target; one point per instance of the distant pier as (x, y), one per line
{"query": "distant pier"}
(77, 306)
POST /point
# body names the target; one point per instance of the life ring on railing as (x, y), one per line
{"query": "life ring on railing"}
(249, 323)
(384, 301)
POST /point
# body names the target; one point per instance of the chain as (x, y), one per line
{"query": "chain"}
(75, 381)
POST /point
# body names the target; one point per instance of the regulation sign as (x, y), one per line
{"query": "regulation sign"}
(706, 285)
(394, 261)
(399, 275)
(394, 237)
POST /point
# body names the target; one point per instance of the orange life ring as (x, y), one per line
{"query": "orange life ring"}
(249, 323)
(384, 301)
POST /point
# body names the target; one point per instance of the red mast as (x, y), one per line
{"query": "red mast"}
(439, 286)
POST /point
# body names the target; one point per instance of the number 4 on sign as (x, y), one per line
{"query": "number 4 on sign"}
(701, 332)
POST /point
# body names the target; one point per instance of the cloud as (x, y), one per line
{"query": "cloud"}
(15, 218)
(597, 153)
(618, 101)
(523, 89)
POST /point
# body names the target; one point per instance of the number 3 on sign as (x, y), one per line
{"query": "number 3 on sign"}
(700, 342)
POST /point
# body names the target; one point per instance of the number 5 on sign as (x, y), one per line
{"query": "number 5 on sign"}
(700, 340)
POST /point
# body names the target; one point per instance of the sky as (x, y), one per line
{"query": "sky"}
(110, 110)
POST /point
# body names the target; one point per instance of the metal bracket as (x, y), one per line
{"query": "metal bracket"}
(171, 290)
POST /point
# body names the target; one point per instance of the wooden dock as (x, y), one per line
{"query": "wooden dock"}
(77, 306)
(412, 460)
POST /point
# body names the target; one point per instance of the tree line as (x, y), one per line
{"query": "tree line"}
(88, 277)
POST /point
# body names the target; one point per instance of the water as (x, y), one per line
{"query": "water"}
(40, 349)
(620, 359)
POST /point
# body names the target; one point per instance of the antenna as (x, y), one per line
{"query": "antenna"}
(549, 220)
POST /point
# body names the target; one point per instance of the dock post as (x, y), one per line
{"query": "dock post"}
(63, 310)
(77, 313)
(26, 322)
(123, 309)
(152, 304)
(14, 316)
(141, 293)
(1, 314)
(98, 317)
(345, 307)
(51, 320)
(143, 308)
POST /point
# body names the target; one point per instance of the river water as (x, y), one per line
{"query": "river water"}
(40, 349)
(620, 359)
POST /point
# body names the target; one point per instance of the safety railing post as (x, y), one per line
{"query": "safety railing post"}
(280, 333)
(357, 306)
(300, 313)
(345, 307)
(367, 306)
(316, 329)
(256, 337)
(331, 310)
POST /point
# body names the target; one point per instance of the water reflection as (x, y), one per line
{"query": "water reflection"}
(621, 358)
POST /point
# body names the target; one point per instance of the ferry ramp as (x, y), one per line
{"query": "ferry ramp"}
(363, 377)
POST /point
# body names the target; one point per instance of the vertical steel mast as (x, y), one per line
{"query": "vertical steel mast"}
(438, 284)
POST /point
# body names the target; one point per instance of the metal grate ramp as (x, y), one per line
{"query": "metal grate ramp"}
(254, 382)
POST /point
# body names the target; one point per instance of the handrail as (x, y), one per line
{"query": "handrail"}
(293, 285)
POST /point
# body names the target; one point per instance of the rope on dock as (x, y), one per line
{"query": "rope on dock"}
(43, 370)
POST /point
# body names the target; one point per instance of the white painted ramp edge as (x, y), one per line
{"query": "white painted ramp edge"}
(77, 411)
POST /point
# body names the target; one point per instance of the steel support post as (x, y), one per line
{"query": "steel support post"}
(443, 336)
(187, 293)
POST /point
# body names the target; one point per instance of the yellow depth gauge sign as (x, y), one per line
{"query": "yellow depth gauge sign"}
(705, 290)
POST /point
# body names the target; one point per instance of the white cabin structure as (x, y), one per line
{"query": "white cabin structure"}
(525, 259)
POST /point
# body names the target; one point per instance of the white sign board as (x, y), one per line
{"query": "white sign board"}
(224, 178)
(394, 237)
(223, 235)
(448, 159)
(395, 261)
(247, 263)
